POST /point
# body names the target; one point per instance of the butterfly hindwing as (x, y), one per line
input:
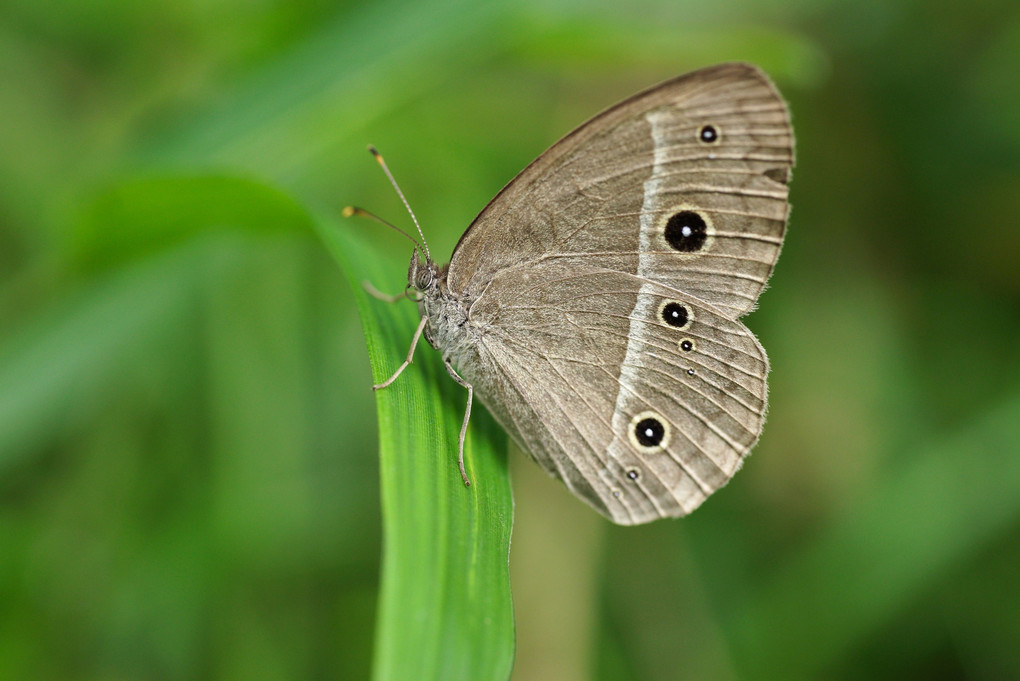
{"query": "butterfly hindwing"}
(573, 364)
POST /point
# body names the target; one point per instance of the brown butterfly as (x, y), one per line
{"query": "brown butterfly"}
(594, 304)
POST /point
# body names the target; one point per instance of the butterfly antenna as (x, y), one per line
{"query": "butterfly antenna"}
(351, 211)
(379, 158)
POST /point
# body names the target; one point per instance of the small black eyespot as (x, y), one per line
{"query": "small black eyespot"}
(686, 345)
(708, 134)
(649, 432)
(686, 231)
(632, 474)
(690, 372)
(675, 314)
(780, 175)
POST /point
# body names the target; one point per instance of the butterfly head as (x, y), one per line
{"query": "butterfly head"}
(422, 273)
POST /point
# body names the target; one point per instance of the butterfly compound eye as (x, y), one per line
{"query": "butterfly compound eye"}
(423, 278)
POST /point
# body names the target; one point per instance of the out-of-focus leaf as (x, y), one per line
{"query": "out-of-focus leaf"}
(918, 524)
(57, 363)
(140, 216)
(60, 363)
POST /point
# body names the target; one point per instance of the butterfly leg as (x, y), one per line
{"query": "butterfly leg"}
(467, 417)
(410, 355)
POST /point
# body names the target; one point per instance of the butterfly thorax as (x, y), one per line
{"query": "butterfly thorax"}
(448, 329)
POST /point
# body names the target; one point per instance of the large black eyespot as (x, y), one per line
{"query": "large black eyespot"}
(686, 231)
(708, 134)
(649, 432)
(675, 314)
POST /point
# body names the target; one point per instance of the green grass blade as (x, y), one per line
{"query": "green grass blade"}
(444, 610)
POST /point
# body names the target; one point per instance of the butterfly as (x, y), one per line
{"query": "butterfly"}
(593, 305)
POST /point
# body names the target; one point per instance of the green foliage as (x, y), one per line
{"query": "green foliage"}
(189, 446)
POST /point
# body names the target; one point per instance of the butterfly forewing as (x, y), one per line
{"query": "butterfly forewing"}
(645, 161)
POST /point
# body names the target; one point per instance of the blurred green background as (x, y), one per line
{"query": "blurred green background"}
(188, 479)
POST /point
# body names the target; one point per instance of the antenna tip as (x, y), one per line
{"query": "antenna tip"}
(348, 211)
(375, 152)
